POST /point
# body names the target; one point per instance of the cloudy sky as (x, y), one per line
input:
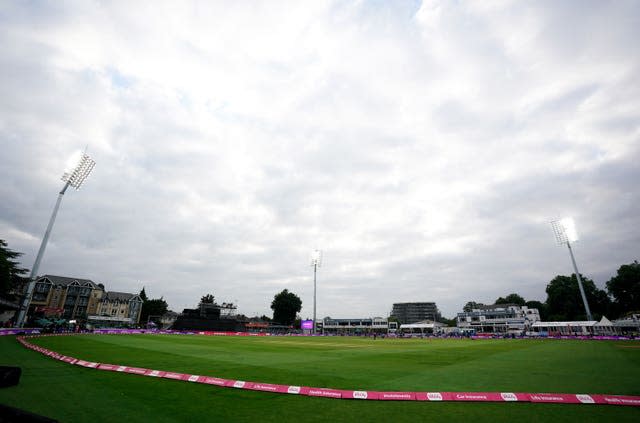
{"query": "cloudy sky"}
(424, 147)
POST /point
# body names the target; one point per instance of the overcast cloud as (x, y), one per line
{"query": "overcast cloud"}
(422, 146)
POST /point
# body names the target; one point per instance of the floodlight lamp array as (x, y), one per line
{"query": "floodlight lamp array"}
(564, 230)
(316, 258)
(79, 174)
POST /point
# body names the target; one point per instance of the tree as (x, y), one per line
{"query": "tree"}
(470, 306)
(515, 299)
(511, 299)
(449, 322)
(625, 288)
(565, 302)
(143, 295)
(10, 272)
(393, 319)
(285, 305)
(155, 307)
(208, 299)
(541, 307)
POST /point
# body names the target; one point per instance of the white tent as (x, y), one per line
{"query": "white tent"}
(426, 326)
(585, 327)
(604, 327)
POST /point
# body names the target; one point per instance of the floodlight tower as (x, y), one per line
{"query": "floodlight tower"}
(78, 168)
(565, 231)
(316, 261)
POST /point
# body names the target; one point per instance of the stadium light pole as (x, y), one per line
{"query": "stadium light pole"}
(565, 232)
(78, 168)
(316, 261)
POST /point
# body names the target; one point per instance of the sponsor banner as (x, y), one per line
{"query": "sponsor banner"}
(433, 396)
(193, 378)
(213, 381)
(269, 387)
(89, 364)
(361, 395)
(174, 376)
(585, 399)
(324, 392)
(397, 396)
(515, 396)
(239, 384)
(476, 396)
(555, 398)
(69, 360)
(297, 390)
(154, 373)
(109, 367)
(136, 370)
(18, 331)
(633, 401)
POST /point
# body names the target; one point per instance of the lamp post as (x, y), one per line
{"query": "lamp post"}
(565, 232)
(316, 261)
(78, 169)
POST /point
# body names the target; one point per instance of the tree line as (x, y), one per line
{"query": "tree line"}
(620, 298)
(564, 303)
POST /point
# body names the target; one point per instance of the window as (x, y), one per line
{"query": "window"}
(42, 287)
(39, 297)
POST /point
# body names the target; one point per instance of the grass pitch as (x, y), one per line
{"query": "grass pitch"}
(74, 394)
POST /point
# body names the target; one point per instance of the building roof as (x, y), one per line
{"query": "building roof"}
(63, 280)
(425, 324)
(120, 296)
(564, 324)
(496, 306)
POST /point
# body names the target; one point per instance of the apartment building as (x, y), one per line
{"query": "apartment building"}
(70, 298)
(415, 312)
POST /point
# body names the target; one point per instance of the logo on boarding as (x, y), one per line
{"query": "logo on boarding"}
(434, 396)
(238, 384)
(120, 369)
(193, 378)
(508, 396)
(293, 390)
(360, 394)
(585, 399)
(154, 373)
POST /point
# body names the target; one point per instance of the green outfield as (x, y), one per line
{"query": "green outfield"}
(75, 394)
